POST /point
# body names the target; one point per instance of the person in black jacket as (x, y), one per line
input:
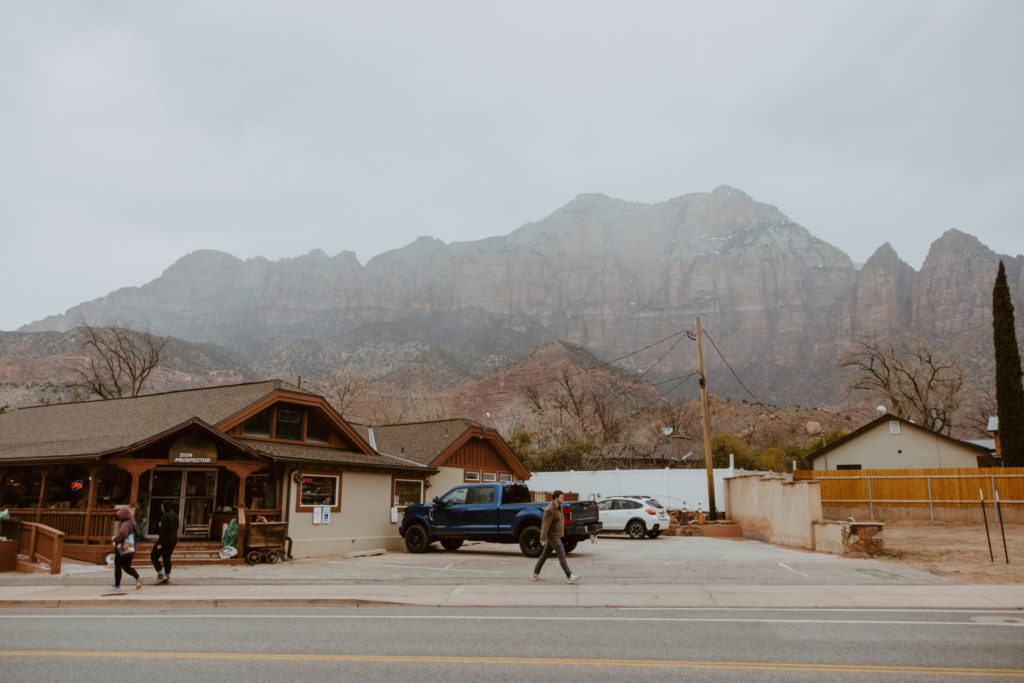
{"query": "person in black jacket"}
(165, 543)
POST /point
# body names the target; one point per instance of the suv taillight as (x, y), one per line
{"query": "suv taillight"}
(567, 514)
(651, 512)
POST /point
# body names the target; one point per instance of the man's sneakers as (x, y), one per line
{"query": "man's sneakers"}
(162, 578)
(538, 578)
(138, 583)
(115, 588)
(575, 578)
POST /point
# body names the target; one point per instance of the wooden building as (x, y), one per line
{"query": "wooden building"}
(262, 449)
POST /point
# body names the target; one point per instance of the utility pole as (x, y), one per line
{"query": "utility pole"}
(706, 421)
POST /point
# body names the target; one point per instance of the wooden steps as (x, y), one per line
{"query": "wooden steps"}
(190, 552)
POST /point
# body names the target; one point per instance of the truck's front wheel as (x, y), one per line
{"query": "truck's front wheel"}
(416, 539)
(529, 541)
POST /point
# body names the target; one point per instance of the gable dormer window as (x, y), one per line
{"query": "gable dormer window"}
(287, 422)
(259, 424)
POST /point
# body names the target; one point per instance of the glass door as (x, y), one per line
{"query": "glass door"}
(165, 485)
(191, 493)
(200, 491)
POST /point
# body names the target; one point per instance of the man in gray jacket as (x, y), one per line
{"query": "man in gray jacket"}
(552, 528)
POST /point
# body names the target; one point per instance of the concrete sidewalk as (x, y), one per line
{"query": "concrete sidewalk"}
(551, 594)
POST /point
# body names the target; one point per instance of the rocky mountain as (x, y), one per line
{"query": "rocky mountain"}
(616, 277)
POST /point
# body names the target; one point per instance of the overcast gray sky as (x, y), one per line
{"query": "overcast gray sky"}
(132, 133)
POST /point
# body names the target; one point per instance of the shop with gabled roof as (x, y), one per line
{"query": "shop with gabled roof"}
(266, 450)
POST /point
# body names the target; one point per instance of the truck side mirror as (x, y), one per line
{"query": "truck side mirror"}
(438, 502)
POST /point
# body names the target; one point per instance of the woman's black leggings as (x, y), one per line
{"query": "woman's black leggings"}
(123, 563)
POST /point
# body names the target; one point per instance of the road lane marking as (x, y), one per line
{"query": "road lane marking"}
(518, 661)
(433, 569)
(794, 571)
(1011, 623)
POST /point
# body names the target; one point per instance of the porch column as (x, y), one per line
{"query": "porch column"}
(94, 473)
(136, 468)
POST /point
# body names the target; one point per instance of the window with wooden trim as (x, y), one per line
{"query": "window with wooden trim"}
(503, 477)
(490, 476)
(471, 476)
(287, 422)
(319, 489)
(407, 492)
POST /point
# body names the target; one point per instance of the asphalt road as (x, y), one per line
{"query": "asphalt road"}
(419, 644)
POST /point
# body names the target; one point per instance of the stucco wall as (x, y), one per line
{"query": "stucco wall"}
(446, 478)
(364, 522)
(912, 448)
(771, 509)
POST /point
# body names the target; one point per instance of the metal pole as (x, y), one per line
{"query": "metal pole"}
(1002, 529)
(706, 422)
(996, 507)
(931, 510)
(985, 517)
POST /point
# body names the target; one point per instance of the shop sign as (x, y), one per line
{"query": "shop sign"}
(193, 449)
(77, 484)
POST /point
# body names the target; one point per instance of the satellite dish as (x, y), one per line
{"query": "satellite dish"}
(666, 430)
(880, 410)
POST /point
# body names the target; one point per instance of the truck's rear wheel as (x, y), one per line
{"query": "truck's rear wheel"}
(529, 541)
(569, 544)
(451, 543)
(416, 539)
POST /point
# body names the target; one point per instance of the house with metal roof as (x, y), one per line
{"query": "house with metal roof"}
(264, 450)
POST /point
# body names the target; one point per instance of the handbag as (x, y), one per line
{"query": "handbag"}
(127, 546)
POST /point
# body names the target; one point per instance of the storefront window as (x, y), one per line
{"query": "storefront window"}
(113, 487)
(408, 492)
(67, 487)
(318, 490)
(261, 490)
(21, 488)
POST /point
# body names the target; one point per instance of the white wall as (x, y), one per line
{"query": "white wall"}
(675, 489)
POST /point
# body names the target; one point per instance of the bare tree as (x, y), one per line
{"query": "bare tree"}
(915, 381)
(342, 386)
(118, 360)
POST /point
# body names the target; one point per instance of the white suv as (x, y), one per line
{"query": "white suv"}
(638, 516)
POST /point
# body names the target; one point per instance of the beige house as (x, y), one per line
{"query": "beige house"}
(266, 451)
(890, 442)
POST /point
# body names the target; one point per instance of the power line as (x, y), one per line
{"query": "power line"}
(756, 399)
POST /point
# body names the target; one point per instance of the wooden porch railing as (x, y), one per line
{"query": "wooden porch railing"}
(41, 544)
(78, 526)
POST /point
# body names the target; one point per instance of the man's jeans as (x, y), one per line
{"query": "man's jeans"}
(553, 545)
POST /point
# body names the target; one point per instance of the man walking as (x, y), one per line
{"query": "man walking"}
(165, 543)
(552, 528)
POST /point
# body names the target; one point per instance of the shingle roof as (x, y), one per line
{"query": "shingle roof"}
(333, 456)
(91, 428)
(420, 442)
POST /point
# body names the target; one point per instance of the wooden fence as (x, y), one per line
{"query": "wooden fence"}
(953, 494)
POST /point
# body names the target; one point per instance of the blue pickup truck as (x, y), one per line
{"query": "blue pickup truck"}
(498, 513)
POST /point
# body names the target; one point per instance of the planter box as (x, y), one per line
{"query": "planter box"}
(720, 530)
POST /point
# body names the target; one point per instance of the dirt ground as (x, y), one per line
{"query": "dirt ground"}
(959, 551)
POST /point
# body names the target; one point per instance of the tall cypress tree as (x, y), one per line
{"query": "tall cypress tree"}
(1009, 390)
